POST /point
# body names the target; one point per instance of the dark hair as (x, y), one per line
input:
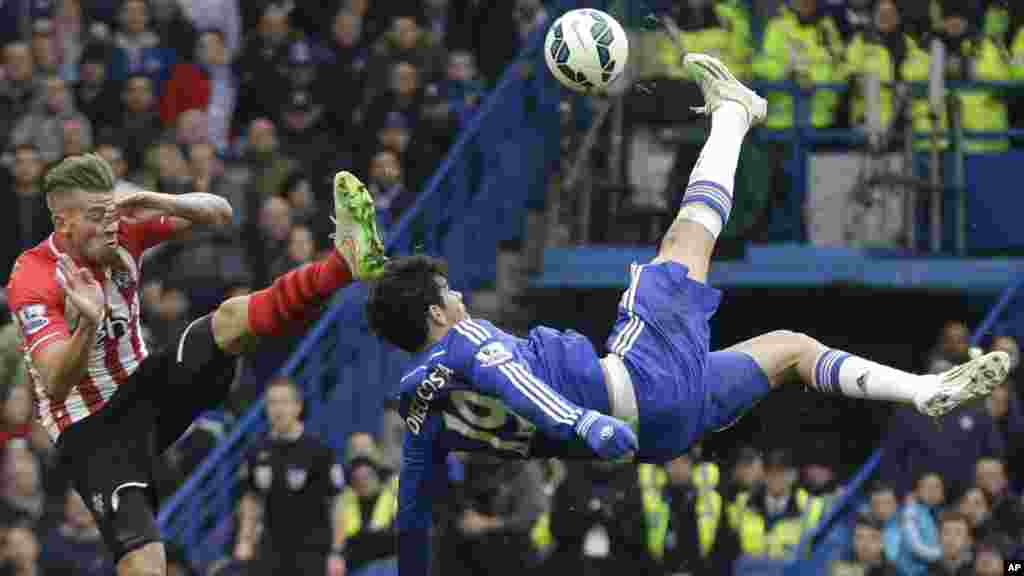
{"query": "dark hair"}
(880, 486)
(89, 172)
(866, 518)
(778, 459)
(400, 297)
(285, 382)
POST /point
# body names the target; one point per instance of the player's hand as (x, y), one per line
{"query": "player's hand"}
(610, 438)
(82, 288)
(135, 207)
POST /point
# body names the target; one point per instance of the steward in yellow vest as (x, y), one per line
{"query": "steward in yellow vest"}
(685, 518)
(880, 53)
(772, 519)
(369, 506)
(800, 45)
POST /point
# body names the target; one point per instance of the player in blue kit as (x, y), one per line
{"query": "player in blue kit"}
(473, 387)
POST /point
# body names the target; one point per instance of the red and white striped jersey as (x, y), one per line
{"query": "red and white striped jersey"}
(45, 316)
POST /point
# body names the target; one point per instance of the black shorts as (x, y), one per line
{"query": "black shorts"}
(110, 456)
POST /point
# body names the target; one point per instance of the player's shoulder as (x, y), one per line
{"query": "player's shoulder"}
(475, 331)
(34, 272)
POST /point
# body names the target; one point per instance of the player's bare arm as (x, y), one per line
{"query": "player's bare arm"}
(63, 364)
(196, 208)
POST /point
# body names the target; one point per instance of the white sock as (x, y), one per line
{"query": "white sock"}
(708, 198)
(838, 372)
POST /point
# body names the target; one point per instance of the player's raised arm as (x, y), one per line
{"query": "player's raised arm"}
(164, 216)
(422, 479)
(494, 370)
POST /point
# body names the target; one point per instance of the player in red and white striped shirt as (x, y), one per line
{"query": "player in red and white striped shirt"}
(108, 404)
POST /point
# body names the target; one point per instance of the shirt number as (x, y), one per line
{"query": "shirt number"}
(486, 419)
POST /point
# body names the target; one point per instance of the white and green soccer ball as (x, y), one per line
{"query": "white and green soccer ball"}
(586, 50)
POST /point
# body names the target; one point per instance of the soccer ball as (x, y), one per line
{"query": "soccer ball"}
(586, 50)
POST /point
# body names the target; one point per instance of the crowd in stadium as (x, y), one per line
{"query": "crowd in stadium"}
(262, 101)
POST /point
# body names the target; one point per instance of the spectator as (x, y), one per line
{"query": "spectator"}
(747, 473)
(43, 128)
(341, 71)
(262, 69)
(139, 127)
(95, 97)
(44, 52)
(297, 479)
(389, 193)
(802, 45)
(394, 135)
(301, 248)
(990, 476)
(12, 374)
(73, 138)
(21, 547)
(688, 510)
(298, 191)
(957, 555)
(138, 51)
(462, 88)
(884, 510)
(951, 349)
(776, 514)
(17, 422)
(919, 533)
(868, 558)
(205, 171)
(405, 42)
(1009, 345)
(990, 560)
(20, 88)
(216, 62)
(404, 95)
(22, 497)
(25, 200)
(220, 15)
(75, 545)
(191, 85)
(880, 53)
(498, 505)
(975, 507)
(174, 29)
(368, 507)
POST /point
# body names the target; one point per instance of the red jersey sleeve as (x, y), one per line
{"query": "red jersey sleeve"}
(141, 236)
(36, 302)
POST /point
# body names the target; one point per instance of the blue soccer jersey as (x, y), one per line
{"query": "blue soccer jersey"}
(481, 389)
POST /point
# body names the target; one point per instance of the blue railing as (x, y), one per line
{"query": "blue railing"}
(476, 200)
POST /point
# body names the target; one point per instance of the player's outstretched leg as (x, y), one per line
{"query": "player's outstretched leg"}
(734, 109)
(297, 295)
(833, 371)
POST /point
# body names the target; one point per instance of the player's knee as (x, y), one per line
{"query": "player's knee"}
(796, 344)
(146, 561)
(231, 325)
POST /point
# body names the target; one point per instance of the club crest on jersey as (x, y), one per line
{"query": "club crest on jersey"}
(493, 354)
(33, 318)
